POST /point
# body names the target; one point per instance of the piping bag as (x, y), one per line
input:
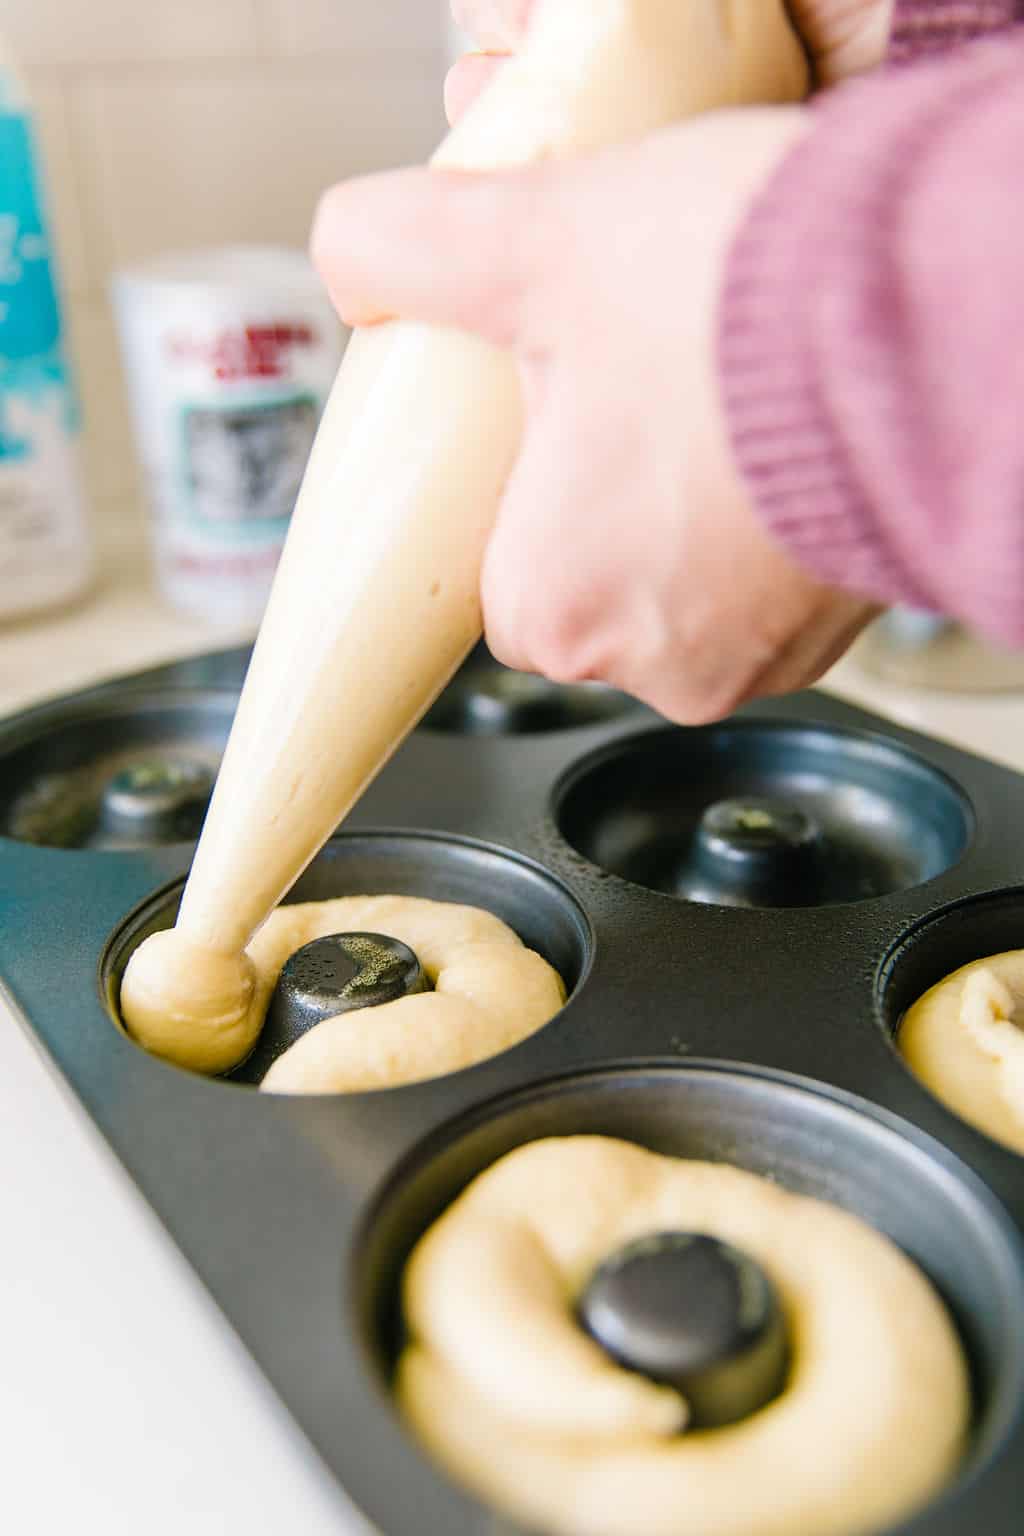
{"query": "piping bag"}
(376, 601)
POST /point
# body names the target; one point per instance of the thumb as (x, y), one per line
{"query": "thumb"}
(448, 248)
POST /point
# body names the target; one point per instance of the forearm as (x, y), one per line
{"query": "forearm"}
(872, 340)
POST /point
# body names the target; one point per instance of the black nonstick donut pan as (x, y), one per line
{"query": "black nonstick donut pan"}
(741, 913)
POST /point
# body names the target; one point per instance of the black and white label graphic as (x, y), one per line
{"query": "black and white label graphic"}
(243, 465)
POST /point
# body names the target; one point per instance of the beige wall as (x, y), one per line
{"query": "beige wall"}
(199, 121)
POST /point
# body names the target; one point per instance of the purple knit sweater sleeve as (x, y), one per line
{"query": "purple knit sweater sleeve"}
(921, 27)
(872, 335)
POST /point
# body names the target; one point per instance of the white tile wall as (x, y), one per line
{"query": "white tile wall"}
(185, 161)
(390, 26)
(204, 121)
(67, 34)
(109, 458)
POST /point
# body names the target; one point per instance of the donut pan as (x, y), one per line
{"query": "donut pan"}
(741, 913)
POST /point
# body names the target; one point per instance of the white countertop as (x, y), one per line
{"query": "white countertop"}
(127, 1406)
(126, 1403)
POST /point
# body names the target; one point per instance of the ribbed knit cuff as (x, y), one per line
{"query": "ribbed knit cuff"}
(777, 313)
(811, 327)
(923, 27)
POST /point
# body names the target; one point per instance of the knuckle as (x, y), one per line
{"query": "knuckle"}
(502, 629)
(709, 708)
(689, 696)
(564, 639)
(503, 597)
(536, 628)
(504, 649)
(717, 701)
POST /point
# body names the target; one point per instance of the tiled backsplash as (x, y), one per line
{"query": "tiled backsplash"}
(200, 122)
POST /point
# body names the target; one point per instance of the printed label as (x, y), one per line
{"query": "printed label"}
(41, 514)
(33, 369)
(243, 465)
(243, 352)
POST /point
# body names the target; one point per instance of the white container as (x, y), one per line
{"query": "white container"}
(229, 355)
(45, 550)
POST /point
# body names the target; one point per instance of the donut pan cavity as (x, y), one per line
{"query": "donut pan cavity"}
(773, 1125)
(950, 938)
(799, 815)
(114, 772)
(541, 910)
(729, 1019)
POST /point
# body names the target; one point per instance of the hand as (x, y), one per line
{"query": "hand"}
(843, 38)
(625, 548)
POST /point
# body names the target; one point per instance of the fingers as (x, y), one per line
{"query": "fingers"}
(447, 248)
(569, 587)
(495, 24)
(550, 593)
(529, 618)
(465, 80)
(843, 37)
(569, 596)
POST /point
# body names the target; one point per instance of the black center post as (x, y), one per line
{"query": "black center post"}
(332, 975)
(696, 1314)
(753, 850)
(156, 801)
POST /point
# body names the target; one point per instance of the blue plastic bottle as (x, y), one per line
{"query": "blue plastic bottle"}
(45, 553)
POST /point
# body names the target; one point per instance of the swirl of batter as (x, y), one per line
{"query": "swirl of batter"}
(204, 1010)
(965, 1040)
(520, 1404)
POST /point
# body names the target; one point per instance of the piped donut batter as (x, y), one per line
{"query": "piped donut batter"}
(489, 991)
(965, 1040)
(506, 1389)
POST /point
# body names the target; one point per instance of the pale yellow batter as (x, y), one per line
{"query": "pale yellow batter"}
(965, 1040)
(489, 992)
(517, 1402)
